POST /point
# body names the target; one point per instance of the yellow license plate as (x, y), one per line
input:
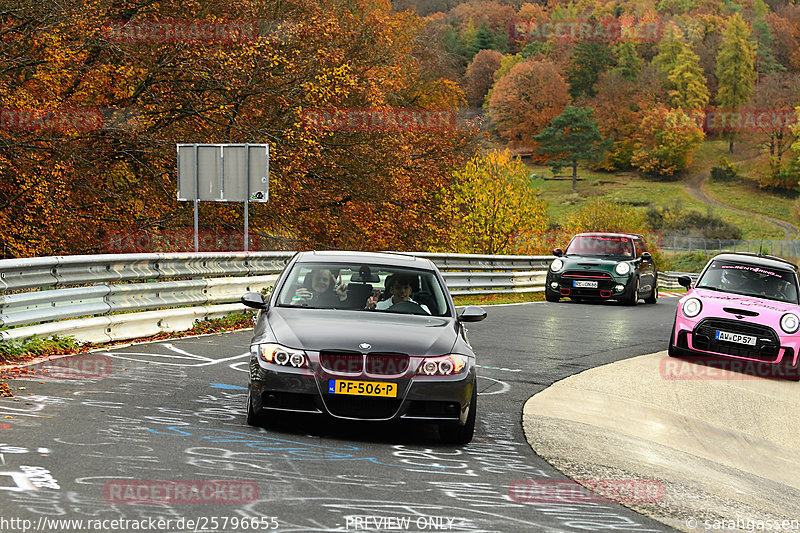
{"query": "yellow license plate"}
(362, 388)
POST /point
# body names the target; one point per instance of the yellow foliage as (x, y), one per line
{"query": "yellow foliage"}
(493, 208)
(604, 214)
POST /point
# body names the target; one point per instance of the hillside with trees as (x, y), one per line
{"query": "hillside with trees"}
(660, 76)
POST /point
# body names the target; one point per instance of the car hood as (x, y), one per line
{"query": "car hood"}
(715, 302)
(315, 330)
(593, 261)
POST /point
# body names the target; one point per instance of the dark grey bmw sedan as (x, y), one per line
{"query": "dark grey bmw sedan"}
(363, 336)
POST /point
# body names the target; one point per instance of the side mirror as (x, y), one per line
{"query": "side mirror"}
(685, 281)
(558, 252)
(472, 313)
(254, 300)
(646, 256)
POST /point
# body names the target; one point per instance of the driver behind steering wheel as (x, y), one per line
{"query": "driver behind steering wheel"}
(401, 287)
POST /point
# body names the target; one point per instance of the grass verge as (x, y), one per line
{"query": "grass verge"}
(495, 299)
(630, 188)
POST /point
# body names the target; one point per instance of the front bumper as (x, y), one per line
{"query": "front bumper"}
(425, 398)
(693, 337)
(608, 285)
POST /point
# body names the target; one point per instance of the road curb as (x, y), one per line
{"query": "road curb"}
(723, 447)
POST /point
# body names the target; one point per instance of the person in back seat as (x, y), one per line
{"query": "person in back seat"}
(319, 290)
(400, 288)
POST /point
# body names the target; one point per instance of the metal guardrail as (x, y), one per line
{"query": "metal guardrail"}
(106, 298)
(781, 248)
(669, 280)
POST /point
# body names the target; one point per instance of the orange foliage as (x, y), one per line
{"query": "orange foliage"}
(524, 101)
(69, 189)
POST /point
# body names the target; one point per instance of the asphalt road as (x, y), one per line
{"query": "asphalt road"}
(99, 437)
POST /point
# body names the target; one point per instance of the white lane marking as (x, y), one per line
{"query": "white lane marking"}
(506, 387)
(499, 368)
(175, 349)
(244, 366)
(204, 361)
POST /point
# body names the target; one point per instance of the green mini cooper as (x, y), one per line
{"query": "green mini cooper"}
(603, 266)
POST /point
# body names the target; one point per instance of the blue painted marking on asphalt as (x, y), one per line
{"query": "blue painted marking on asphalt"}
(294, 450)
(225, 386)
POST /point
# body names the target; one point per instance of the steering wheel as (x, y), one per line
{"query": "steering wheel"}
(411, 308)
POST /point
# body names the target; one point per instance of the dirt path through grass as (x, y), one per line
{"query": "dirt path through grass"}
(698, 175)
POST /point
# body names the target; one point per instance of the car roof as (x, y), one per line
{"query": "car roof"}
(397, 259)
(608, 234)
(756, 259)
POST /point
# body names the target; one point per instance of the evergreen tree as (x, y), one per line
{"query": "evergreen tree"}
(501, 41)
(484, 39)
(629, 64)
(735, 67)
(765, 57)
(690, 92)
(570, 138)
(588, 61)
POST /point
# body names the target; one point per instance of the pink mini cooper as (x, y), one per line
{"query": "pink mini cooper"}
(744, 307)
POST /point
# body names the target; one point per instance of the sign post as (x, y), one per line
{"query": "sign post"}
(223, 173)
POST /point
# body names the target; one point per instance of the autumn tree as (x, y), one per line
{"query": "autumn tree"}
(606, 214)
(507, 62)
(524, 102)
(786, 38)
(669, 48)
(735, 68)
(776, 124)
(619, 107)
(689, 85)
(666, 141)
(66, 190)
(480, 76)
(495, 210)
(570, 138)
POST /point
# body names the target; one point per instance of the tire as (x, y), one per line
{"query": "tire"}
(453, 432)
(671, 350)
(551, 296)
(253, 418)
(791, 372)
(633, 299)
(653, 298)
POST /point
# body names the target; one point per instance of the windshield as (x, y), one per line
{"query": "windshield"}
(600, 245)
(750, 280)
(363, 287)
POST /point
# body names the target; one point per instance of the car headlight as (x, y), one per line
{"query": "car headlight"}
(556, 265)
(281, 355)
(790, 323)
(622, 268)
(692, 307)
(443, 366)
